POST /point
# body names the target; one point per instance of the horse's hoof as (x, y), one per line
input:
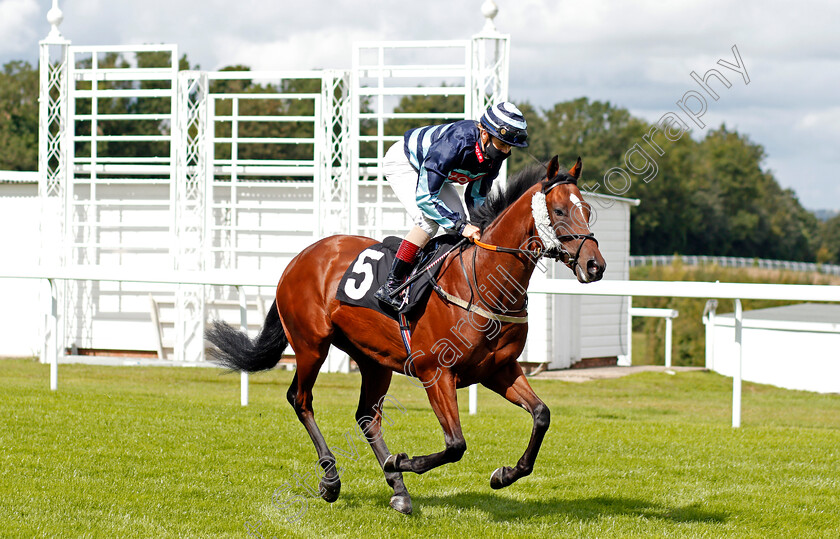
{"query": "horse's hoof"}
(393, 461)
(497, 478)
(329, 490)
(401, 504)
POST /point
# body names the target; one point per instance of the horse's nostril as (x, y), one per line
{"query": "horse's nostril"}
(593, 267)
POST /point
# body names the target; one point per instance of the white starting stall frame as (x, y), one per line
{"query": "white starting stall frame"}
(794, 346)
(202, 199)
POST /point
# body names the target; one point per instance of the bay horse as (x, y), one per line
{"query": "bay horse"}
(452, 346)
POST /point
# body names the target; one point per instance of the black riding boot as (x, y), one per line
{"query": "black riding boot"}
(399, 271)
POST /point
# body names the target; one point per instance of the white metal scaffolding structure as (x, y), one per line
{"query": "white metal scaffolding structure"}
(469, 74)
(207, 196)
(53, 155)
(120, 204)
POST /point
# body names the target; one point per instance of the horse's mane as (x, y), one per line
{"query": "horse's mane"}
(499, 199)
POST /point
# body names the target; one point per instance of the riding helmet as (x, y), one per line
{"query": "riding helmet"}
(506, 122)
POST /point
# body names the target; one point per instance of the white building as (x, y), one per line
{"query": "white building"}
(21, 317)
(794, 346)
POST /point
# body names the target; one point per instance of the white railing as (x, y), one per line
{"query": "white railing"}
(235, 278)
(734, 291)
(682, 289)
(668, 315)
(16, 176)
(734, 262)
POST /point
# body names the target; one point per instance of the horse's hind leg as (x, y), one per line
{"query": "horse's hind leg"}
(511, 383)
(309, 361)
(375, 382)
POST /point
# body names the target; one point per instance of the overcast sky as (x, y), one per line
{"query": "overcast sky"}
(637, 55)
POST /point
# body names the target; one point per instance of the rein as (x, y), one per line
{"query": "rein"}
(556, 244)
(427, 267)
(475, 291)
(509, 250)
(538, 251)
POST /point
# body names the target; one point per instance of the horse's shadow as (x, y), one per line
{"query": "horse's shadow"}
(505, 509)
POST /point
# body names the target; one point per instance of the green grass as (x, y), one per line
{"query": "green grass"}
(168, 452)
(642, 354)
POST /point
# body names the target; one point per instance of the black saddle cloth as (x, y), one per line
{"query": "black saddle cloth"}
(370, 269)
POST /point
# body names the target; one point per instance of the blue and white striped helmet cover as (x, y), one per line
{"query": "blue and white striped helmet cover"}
(506, 122)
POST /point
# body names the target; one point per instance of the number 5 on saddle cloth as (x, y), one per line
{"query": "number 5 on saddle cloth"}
(370, 269)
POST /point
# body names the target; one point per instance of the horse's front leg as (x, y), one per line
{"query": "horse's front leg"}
(444, 401)
(511, 383)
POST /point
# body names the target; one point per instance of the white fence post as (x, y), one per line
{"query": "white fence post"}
(627, 359)
(709, 314)
(155, 314)
(243, 324)
(473, 399)
(52, 348)
(668, 315)
(731, 261)
(736, 378)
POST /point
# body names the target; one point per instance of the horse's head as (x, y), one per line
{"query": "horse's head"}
(562, 220)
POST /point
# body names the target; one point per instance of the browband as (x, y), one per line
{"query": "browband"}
(562, 178)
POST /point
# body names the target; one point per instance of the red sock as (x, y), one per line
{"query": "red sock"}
(407, 251)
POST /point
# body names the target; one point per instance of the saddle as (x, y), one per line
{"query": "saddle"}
(370, 269)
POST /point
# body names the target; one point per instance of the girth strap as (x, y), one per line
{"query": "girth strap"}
(478, 310)
(405, 333)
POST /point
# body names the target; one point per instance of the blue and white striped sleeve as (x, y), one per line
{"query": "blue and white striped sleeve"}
(434, 155)
(429, 183)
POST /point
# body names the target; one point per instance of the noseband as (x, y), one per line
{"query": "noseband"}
(553, 243)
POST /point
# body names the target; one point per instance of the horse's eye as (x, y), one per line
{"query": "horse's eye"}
(558, 212)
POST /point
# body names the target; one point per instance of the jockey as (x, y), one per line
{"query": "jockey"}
(422, 168)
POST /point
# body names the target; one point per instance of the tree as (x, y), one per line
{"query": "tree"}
(424, 104)
(595, 130)
(254, 127)
(127, 106)
(19, 116)
(829, 241)
(758, 217)
(707, 197)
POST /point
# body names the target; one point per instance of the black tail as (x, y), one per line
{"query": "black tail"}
(236, 351)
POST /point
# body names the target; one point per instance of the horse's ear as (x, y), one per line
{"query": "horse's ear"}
(553, 167)
(575, 170)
